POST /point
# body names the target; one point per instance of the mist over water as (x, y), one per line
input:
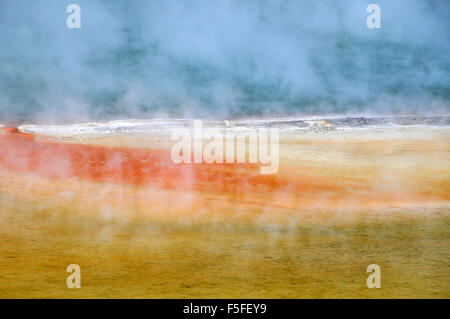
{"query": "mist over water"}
(221, 59)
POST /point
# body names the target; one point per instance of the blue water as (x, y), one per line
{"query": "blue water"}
(221, 59)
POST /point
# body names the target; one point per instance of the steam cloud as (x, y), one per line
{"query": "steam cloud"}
(221, 59)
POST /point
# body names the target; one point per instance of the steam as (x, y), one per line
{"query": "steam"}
(221, 59)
